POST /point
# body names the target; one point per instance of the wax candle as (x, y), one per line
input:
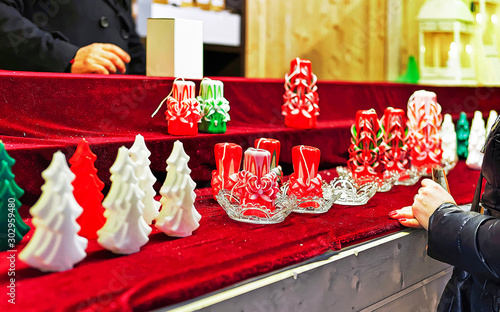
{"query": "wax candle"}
(305, 180)
(424, 124)
(395, 155)
(214, 107)
(228, 160)
(259, 185)
(301, 99)
(367, 136)
(271, 145)
(183, 112)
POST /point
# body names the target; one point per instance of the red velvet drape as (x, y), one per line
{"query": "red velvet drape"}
(41, 113)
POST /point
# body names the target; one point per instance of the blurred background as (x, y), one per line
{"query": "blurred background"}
(353, 40)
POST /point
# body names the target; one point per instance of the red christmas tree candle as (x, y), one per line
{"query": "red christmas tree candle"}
(305, 180)
(271, 145)
(183, 110)
(228, 160)
(301, 98)
(395, 155)
(424, 124)
(87, 190)
(367, 136)
(260, 186)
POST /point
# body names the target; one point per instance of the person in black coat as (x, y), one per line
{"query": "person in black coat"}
(469, 241)
(78, 36)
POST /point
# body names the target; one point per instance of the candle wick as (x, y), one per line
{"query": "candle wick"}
(161, 103)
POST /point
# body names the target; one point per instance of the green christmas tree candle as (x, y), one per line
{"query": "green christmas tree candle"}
(463, 131)
(12, 226)
(214, 107)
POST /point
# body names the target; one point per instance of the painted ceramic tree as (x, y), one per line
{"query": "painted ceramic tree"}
(10, 193)
(477, 138)
(87, 190)
(449, 140)
(140, 156)
(55, 245)
(491, 121)
(125, 230)
(178, 216)
(463, 132)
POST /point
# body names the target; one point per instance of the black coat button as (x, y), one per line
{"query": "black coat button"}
(104, 22)
(125, 34)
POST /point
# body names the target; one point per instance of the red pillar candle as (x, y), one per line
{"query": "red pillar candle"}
(305, 180)
(395, 154)
(228, 160)
(271, 145)
(259, 185)
(424, 124)
(367, 136)
(301, 98)
(183, 112)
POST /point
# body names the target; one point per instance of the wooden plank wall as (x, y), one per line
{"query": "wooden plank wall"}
(344, 39)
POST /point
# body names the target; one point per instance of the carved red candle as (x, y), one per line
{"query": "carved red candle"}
(301, 98)
(395, 155)
(271, 145)
(367, 136)
(259, 186)
(228, 160)
(305, 180)
(424, 124)
(183, 110)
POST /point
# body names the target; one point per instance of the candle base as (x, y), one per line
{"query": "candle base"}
(283, 206)
(300, 121)
(212, 126)
(262, 207)
(176, 127)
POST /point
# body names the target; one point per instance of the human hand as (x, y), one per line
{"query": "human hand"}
(405, 217)
(430, 196)
(100, 58)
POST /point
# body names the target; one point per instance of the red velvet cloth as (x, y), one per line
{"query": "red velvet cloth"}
(44, 112)
(220, 252)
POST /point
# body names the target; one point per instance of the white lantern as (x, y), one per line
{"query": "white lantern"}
(446, 53)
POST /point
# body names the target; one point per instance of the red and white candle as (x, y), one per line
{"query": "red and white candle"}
(183, 110)
(305, 180)
(424, 125)
(271, 145)
(227, 160)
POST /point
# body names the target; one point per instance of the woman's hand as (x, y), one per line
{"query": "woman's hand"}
(429, 197)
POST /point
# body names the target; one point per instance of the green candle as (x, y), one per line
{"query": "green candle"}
(214, 107)
(463, 132)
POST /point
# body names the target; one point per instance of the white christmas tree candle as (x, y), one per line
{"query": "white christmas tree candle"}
(477, 139)
(178, 216)
(491, 121)
(449, 140)
(55, 245)
(140, 155)
(125, 230)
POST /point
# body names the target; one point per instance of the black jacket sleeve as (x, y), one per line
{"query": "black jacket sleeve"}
(23, 42)
(467, 240)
